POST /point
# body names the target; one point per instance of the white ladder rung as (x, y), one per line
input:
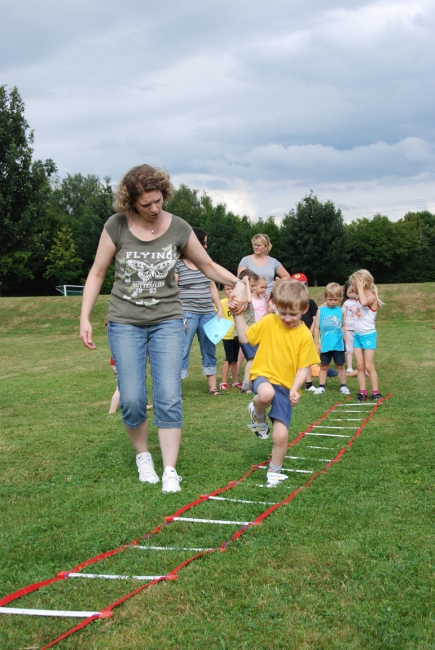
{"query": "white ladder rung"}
(357, 404)
(328, 435)
(297, 471)
(315, 447)
(46, 612)
(111, 577)
(262, 503)
(347, 419)
(321, 426)
(321, 460)
(211, 521)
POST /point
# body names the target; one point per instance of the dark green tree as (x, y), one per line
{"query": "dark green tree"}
(186, 204)
(64, 267)
(24, 194)
(313, 241)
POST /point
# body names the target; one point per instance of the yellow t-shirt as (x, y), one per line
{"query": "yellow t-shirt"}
(227, 313)
(281, 351)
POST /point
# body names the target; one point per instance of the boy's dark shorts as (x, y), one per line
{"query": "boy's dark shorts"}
(338, 356)
(249, 350)
(231, 347)
(281, 408)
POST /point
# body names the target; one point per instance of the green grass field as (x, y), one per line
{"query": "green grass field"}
(348, 564)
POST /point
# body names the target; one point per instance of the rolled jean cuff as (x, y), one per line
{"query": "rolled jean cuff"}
(168, 425)
(207, 370)
(184, 373)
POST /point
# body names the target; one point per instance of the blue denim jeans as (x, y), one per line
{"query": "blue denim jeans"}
(163, 344)
(195, 325)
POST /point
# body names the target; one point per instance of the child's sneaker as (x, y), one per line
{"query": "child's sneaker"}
(261, 429)
(145, 467)
(224, 386)
(237, 384)
(349, 369)
(311, 389)
(361, 397)
(344, 390)
(319, 391)
(376, 396)
(275, 478)
(171, 481)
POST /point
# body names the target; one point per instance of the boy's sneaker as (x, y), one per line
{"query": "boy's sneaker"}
(319, 391)
(311, 389)
(237, 384)
(261, 429)
(145, 467)
(344, 390)
(275, 478)
(171, 481)
(361, 397)
(376, 396)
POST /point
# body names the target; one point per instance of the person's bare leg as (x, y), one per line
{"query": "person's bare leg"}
(263, 398)
(114, 403)
(235, 372)
(349, 359)
(211, 381)
(369, 363)
(322, 374)
(280, 441)
(341, 373)
(225, 371)
(139, 437)
(360, 367)
(170, 440)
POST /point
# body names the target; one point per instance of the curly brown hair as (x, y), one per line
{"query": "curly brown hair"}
(140, 179)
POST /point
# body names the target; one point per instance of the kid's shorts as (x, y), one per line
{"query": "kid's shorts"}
(281, 408)
(365, 341)
(249, 350)
(337, 355)
(349, 340)
(231, 347)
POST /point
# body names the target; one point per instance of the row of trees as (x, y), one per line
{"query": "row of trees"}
(50, 226)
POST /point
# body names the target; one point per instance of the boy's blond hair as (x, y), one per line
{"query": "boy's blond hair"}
(368, 280)
(290, 294)
(333, 289)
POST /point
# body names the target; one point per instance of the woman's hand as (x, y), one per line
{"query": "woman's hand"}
(86, 334)
(240, 296)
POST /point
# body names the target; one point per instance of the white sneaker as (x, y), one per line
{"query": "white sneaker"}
(145, 467)
(171, 481)
(275, 478)
(319, 391)
(349, 369)
(344, 390)
(260, 428)
(311, 389)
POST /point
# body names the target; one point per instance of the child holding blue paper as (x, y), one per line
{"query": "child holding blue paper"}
(231, 347)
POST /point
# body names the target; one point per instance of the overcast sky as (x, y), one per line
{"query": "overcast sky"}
(254, 102)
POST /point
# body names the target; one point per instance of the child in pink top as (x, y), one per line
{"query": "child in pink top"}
(259, 301)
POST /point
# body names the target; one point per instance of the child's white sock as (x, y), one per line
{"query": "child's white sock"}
(274, 468)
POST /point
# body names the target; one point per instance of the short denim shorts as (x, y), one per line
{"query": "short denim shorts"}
(281, 407)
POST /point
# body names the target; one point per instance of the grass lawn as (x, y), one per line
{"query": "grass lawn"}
(348, 564)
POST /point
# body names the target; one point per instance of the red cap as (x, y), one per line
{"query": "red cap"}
(300, 277)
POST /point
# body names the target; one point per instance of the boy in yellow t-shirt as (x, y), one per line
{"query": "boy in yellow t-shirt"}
(231, 346)
(285, 352)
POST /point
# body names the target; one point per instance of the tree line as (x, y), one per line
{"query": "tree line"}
(50, 226)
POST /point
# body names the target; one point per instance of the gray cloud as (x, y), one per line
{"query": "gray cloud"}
(234, 97)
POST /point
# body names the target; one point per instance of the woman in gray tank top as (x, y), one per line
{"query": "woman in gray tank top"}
(261, 263)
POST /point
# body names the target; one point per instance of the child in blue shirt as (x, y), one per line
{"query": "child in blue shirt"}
(331, 328)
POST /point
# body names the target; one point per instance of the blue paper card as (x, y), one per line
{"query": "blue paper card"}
(216, 329)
